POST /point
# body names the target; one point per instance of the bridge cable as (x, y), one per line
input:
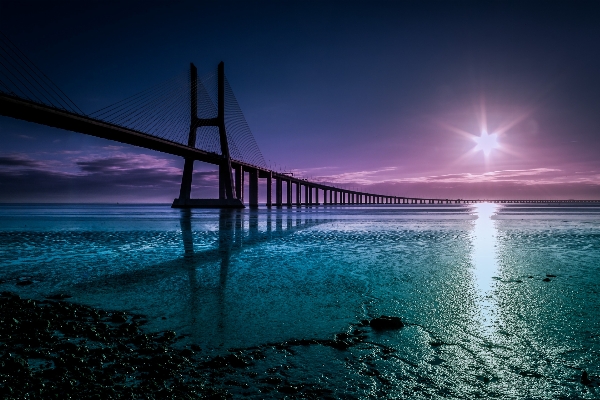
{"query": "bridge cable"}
(38, 83)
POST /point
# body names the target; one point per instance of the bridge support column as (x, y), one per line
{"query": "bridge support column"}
(289, 193)
(269, 182)
(239, 183)
(298, 194)
(324, 196)
(253, 187)
(278, 190)
(316, 195)
(306, 202)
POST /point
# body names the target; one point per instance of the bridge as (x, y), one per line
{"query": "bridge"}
(198, 119)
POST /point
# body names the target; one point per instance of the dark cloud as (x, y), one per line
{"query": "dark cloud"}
(17, 161)
(110, 179)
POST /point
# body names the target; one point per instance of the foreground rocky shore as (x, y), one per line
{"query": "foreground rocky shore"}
(56, 349)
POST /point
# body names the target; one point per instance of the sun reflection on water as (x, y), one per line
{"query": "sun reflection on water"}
(485, 259)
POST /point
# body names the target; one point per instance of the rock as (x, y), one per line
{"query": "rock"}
(551, 276)
(288, 389)
(546, 280)
(118, 318)
(187, 353)
(58, 296)
(26, 282)
(386, 323)
(585, 380)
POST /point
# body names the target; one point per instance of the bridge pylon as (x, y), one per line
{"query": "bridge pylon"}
(227, 193)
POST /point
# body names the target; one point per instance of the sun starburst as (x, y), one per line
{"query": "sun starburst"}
(486, 142)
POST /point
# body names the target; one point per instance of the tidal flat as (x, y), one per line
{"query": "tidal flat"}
(142, 300)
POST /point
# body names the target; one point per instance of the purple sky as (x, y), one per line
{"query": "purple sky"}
(385, 97)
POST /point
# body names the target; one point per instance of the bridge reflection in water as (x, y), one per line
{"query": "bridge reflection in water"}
(237, 231)
(196, 282)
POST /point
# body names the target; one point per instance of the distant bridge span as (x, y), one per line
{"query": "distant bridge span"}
(26, 96)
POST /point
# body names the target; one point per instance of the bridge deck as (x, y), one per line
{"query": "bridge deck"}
(18, 108)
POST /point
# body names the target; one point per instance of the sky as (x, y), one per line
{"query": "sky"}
(388, 97)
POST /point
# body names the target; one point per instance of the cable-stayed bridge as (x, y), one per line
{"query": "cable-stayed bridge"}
(197, 118)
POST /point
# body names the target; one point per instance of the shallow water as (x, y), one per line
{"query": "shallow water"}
(466, 279)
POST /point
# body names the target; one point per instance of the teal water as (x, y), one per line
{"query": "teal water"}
(468, 281)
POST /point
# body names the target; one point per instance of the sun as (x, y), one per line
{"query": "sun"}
(486, 142)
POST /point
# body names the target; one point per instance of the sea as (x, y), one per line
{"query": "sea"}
(497, 301)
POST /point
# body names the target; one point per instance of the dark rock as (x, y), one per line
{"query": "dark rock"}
(531, 374)
(169, 335)
(546, 280)
(530, 276)
(342, 336)
(26, 282)
(187, 353)
(288, 389)
(585, 380)
(271, 380)
(339, 344)
(551, 276)
(59, 296)
(386, 323)
(118, 318)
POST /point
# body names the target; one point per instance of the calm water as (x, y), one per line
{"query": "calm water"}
(467, 280)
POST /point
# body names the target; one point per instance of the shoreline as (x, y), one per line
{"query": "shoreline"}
(56, 349)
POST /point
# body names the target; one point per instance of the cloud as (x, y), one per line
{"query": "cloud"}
(529, 176)
(535, 176)
(535, 183)
(122, 177)
(358, 177)
(18, 161)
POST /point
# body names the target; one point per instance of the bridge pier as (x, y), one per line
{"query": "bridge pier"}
(289, 193)
(298, 195)
(239, 182)
(269, 179)
(306, 202)
(226, 193)
(253, 187)
(278, 194)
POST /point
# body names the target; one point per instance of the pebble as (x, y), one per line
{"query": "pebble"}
(386, 323)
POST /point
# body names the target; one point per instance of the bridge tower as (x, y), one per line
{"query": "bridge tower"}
(227, 197)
